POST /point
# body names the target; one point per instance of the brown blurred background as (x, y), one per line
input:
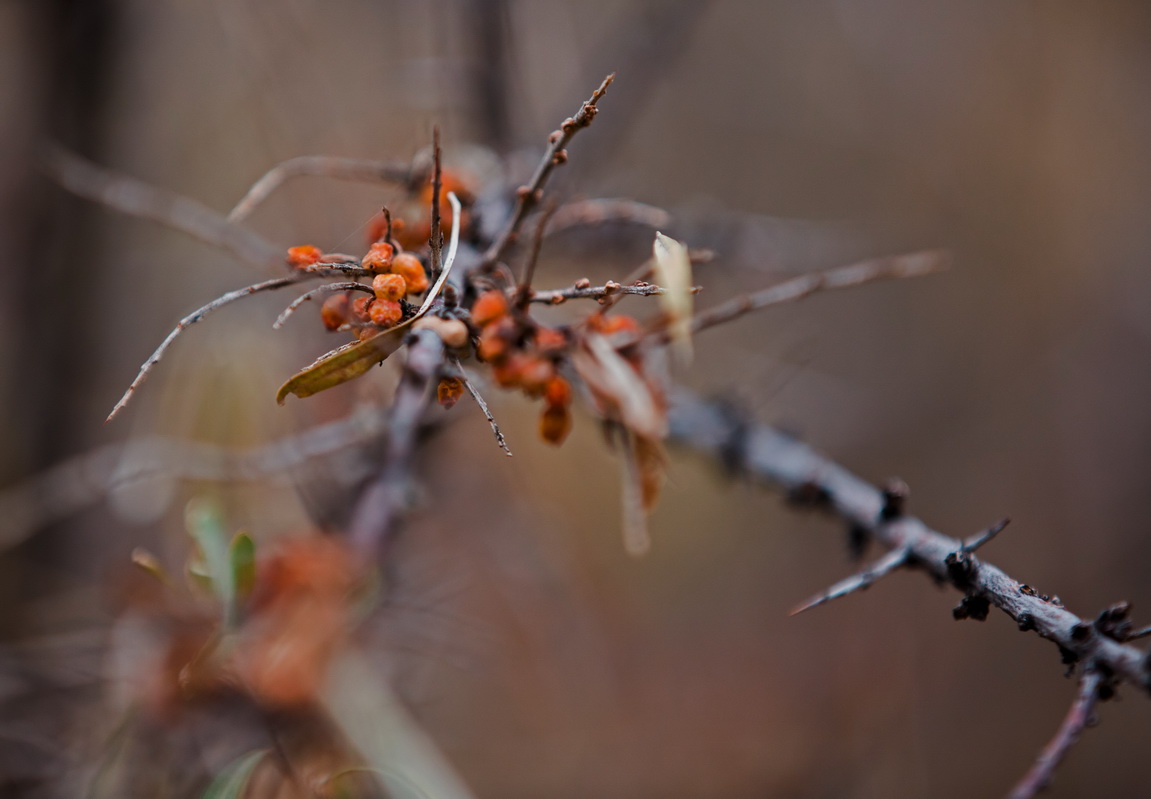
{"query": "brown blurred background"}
(786, 136)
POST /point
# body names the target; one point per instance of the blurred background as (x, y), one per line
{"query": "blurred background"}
(787, 137)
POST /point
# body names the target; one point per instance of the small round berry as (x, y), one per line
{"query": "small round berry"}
(453, 332)
(334, 311)
(535, 374)
(360, 308)
(489, 306)
(555, 424)
(496, 339)
(508, 373)
(550, 341)
(410, 269)
(304, 255)
(558, 393)
(386, 313)
(389, 287)
(379, 257)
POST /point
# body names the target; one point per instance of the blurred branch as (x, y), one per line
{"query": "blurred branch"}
(603, 211)
(326, 166)
(583, 290)
(136, 198)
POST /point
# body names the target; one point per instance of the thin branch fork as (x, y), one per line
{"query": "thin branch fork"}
(528, 197)
(764, 454)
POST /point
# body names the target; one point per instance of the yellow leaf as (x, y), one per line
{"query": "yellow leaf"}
(673, 272)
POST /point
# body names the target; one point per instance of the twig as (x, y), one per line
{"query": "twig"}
(528, 197)
(385, 500)
(325, 289)
(764, 454)
(328, 166)
(900, 266)
(483, 407)
(523, 292)
(857, 582)
(136, 198)
(436, 237)
(976, 541)
(601, 211)
(588, 292)
(1077, 719)
(200, 313)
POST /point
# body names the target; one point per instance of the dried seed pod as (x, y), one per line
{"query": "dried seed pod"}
(385, 313)
(489, 306)
(334, 311)
(360, 308)
(411, 270)
(452, 332)
(379, 257)
(389, 287)
(449, 390)
(555, 424)
(304, 255)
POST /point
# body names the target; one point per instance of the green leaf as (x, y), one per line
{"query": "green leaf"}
(242, 556)
(227, 568)
(233, 780)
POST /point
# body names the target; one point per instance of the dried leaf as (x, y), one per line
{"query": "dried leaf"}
(673, 272)
(355, 359)
(620, 387)
(650, 462)
(232, 782)
(636, 539)
(449, 391)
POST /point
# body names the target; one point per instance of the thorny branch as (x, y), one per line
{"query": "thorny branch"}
(1079, 717)
(528, 197)
(136, 198)
(328, 166)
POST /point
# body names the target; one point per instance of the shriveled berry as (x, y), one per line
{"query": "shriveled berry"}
(489, 306)
(555, 424)
(558, 393)
(304, 255)
(360, 308)
(386, 313)
(411, 270)
(535, 374)
(453, 332)
(334, 311)
(449, 390)
(379, 257)
(389, 287)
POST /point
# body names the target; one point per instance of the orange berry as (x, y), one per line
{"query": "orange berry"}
(366, 332)
(334, 311)
(489, 307)
(496, 339)
(379, 257)
(550, 341)
(304, 255)
(389, 287)
(411, 270)
(449, 390)
(555, 424)
(386, 313)
(609, 325)
(558, 393)
(360, 308)
(509, 372)
(535, 374)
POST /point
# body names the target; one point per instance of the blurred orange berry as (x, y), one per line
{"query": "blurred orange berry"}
(389, 287)
(360, 308)
(609, 325)
(535, 374)
(489, 306)
(304, 255)
(550, 341)
(386, 313)
(496, 339)
(555, 424)
(334, 311)
(558, 393)
(411, 270)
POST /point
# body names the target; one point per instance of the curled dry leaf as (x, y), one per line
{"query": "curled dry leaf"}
(623, 392)
(673, 271)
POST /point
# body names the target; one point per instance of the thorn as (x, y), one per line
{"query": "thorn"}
(859, 581)
(976, 541)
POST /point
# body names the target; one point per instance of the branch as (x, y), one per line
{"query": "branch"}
(602, 211)
(327, 288)
(583, 290)
(858, 582)
(1078, 718)
(528, 197)
(770, 457)
(503, 444)
(328, 166)
(136, 198)
(385, 500)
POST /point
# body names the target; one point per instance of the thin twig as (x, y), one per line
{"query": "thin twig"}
(976, 541)
(436, 238)
(1078, 718)
(528, 197)
(764, 454)
(602, 211)
(601, 293)
(483, 407)
(857, 582)
(200, 313)
(523, 292)
(328, 166)
(136, 198)
(325, 289)
(900, 266)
